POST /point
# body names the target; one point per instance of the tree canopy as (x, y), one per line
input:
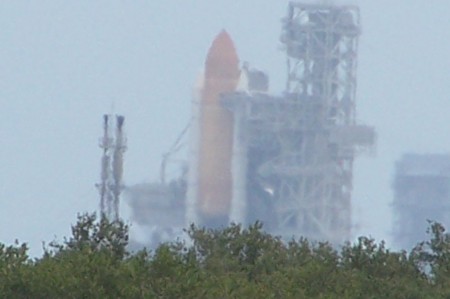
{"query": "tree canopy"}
(233, 262)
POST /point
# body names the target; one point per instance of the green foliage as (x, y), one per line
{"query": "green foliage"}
(14, 265)
(233, 262)
(93, 235)
(433, 258)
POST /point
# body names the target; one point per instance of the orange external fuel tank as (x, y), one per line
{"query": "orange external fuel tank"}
(221, 75)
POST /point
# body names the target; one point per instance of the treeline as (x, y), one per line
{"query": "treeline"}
(234, 262)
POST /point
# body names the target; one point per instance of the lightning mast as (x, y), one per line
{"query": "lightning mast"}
(110, 186)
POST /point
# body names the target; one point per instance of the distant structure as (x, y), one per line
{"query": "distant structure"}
(285, 160)
(421, 192)
(113, 147)
(159, 208)
(299, 148)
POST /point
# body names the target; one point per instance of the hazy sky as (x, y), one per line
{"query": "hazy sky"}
(63, 64)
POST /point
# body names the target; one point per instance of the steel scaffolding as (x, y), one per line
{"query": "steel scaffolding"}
(110, 186)
(300, 147)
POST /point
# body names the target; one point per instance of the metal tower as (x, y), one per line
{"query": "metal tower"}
(299, 148)
(110, 186)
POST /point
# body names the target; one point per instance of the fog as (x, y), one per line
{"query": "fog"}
(63, 65)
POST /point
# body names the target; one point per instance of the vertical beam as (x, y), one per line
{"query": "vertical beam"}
(117, 164)
(105, 145)
(238, 211)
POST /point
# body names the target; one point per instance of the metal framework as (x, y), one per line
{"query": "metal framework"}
(321, 44)
(110, 186)
(300, 147)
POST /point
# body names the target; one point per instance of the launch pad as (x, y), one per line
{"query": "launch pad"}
(291, 156)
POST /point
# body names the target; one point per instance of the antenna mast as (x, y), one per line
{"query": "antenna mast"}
(110, 186)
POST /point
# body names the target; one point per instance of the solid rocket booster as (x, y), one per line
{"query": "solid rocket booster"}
(214, 193)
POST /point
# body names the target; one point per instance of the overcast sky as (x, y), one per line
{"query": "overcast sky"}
(63, 64)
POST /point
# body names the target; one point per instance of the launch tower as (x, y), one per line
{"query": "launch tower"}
(299, 148)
